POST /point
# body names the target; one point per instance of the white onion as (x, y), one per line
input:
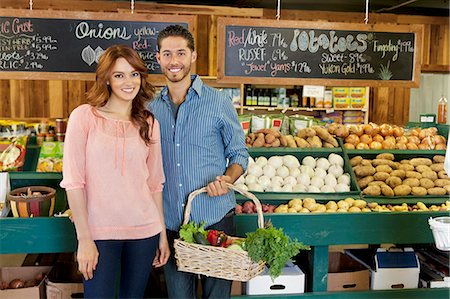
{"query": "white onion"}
(304, 179)
(275, 161)
(317, 182)
(336, 170)
(307, 170)
(250, 161)
(327, 188)
(336, 159)
(309, 161)
(290, 180)
(255, 170)
(264, 181)
(344, 179)
(283, 171)
(342, 188)
(295, 172)
(261, 161)
(286, 188)
(269, 171)
(277, 180)
(291, 161)
(322, 163)
(255, 188)
(330, 180)
(275, 188)
(313, 189)
(299, 188)
(250, 179)
(320, 172)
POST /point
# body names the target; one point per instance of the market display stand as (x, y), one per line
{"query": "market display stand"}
(52, 235)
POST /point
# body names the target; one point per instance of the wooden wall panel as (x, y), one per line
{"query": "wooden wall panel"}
(5, 98)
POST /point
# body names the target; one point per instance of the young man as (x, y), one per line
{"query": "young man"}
(203, 145)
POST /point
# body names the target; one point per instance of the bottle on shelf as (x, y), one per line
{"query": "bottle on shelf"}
(248, 96)
(442, 110)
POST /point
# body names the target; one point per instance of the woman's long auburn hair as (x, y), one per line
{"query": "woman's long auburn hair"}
(100, 92)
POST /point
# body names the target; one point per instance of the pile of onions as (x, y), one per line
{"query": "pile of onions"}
(386, 136)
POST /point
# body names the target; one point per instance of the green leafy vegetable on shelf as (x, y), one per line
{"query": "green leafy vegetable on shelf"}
(272, 246)
(187, 231)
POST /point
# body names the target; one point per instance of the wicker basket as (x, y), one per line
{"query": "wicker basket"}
(214, 261)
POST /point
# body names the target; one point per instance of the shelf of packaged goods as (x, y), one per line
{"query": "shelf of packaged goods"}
(328, 110)
(321, 230)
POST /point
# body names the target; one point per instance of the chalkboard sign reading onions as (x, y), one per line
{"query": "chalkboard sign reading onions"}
(61, 42)
(268, 51)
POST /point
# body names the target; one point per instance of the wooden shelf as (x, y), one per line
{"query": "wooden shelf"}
(329, 110)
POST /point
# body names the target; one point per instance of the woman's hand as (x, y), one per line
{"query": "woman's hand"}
(87, 257)
(163, 252)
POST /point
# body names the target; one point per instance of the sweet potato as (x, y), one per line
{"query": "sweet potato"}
(260, 140)
(269, 131)
(306, 132)
(355, 160)
(314, 142)
(290, 141)
(276, 143)
(270, 138)
(283, 141)
(325, 136)
(301, 143)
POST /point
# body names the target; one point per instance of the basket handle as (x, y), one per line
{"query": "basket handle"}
(187, 211)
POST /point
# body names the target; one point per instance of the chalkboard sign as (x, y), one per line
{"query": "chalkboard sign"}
(267, 51)
(72, 45)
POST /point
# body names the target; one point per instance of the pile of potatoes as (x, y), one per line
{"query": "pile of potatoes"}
(383, 176)
(350, 205)
(313, 137)
(266, 138)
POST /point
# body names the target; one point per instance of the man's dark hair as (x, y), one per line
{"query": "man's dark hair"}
(176, 30)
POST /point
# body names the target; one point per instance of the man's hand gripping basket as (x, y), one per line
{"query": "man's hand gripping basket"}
(214, 261)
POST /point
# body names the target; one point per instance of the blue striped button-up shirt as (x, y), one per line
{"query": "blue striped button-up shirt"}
(196, 147)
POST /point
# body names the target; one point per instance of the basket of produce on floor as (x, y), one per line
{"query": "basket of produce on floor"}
(214, 254)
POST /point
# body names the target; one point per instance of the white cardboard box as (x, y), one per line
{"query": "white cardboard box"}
(291, 281)
(25, 273)
(395, 269)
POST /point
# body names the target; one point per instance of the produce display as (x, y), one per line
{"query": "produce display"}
(385, 176)
(385, 136)
(287, 174)
(348, 205)
(18, 283)
(266, 244)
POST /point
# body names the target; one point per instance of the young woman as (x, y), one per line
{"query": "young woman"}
(113, 176)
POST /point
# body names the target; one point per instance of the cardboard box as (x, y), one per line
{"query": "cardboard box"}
(346, 274)
(64, 282)
(393, 268)
(357, 97)
(291, 281)
(25, 273)
(340, 97)
(236, 288)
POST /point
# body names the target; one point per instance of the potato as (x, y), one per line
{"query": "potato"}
(396, 165)
(441, 182)
(314, 142)
(426, 183)
(422, 206)
(308, 200)
(283, 141)
(405, 161)
(412, 182)
(376, 183)
(350, 201)
(306, 132)
(310, 206)
(270, 138)
(387, 156)
(398, 173)
(359, 203)
(413, 174)
(423, 168)
(376, 162)
(384, 168)
(439, 159)
(295, 201)
(420, 161)
(305, 210)
(418, 191)
(372, 190)
(366, 162)
(342, 205)
(331, 205)
(447, 188)
(381, 176)
(301, 143)
(365, 171)
(356, 160)
(437, 191)
(402, 190)
(437, 167)
(291, 142)
(406, 167)
(276, 143)
(386, 190)
(394, 181)
(354, 210)
(432, 175)
(320, 209)
(442, 174)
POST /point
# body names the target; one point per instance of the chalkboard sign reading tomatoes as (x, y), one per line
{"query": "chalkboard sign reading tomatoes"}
(276, 51)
